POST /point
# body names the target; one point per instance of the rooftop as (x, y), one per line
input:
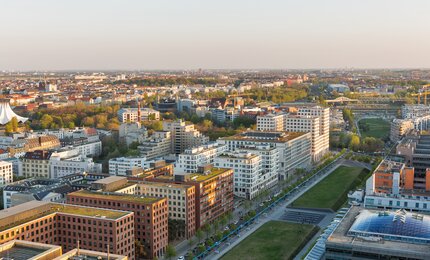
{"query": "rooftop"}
(23, 250)
(115, 196)
(110, 179)
(261, 136)
(213, 173)
(376, 235)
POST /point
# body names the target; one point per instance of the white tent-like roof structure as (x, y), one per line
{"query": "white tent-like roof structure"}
(6, 113)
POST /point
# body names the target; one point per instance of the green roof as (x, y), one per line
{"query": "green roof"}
(213, 172)
(115, 196)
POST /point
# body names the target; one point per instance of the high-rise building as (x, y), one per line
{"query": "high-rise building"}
(184, 135)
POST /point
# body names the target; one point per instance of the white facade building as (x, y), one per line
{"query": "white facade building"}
(247, 169)
(132, 114)
(270, 122)
(6, 173)
(294, 148)
(192, 158)
(119, 166)
(158, 145)
(70, 162)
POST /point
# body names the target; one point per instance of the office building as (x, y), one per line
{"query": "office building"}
(63, 224)
(376, 234)
(150, 215)
(392, 186)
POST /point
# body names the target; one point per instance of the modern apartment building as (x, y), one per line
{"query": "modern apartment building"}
(63, 224)
(150, 215)
(271, 122)
(119, 166)
(36, 164)
(247, 168)
(214, 193)
(191, 159)
(294, 148)
(323, 113)
(6, 173)
(66, 162)
(158, 145)
(184, 135)
(132, 114)
(399, 128)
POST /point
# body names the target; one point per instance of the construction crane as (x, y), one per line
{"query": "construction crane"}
(423, 92)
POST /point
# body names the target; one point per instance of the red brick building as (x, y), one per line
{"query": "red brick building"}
(62, 224)
(150, 214)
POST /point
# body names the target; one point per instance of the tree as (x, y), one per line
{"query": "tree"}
(14, 123)
(199, 234)
(355, 142)
(46, 121)
(140, 250)
(170, 251)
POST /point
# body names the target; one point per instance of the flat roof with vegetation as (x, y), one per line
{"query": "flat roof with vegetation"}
(213, 173)
(115, 196)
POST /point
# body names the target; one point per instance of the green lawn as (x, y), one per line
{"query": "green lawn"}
(273, 240)
(374, 127)
(331, 192)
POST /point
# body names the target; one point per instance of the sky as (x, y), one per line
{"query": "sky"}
(221, 34)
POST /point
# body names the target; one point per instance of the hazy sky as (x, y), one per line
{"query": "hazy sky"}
(216, 34)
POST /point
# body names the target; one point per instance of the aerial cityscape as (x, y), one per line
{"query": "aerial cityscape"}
(227, 130)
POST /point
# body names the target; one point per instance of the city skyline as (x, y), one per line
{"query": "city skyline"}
(164, 35)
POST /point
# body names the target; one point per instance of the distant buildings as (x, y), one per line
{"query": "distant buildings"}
(131, 115)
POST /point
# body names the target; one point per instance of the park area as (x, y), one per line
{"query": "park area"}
(273, 240)
(331, 192)
(374, 127)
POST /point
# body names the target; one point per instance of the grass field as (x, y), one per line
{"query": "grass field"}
(331, 192)
(273, 240)
(374, 127)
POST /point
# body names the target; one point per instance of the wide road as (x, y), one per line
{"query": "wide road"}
(274, 214)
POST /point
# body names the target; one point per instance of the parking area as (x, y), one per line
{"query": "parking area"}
(303, 217)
